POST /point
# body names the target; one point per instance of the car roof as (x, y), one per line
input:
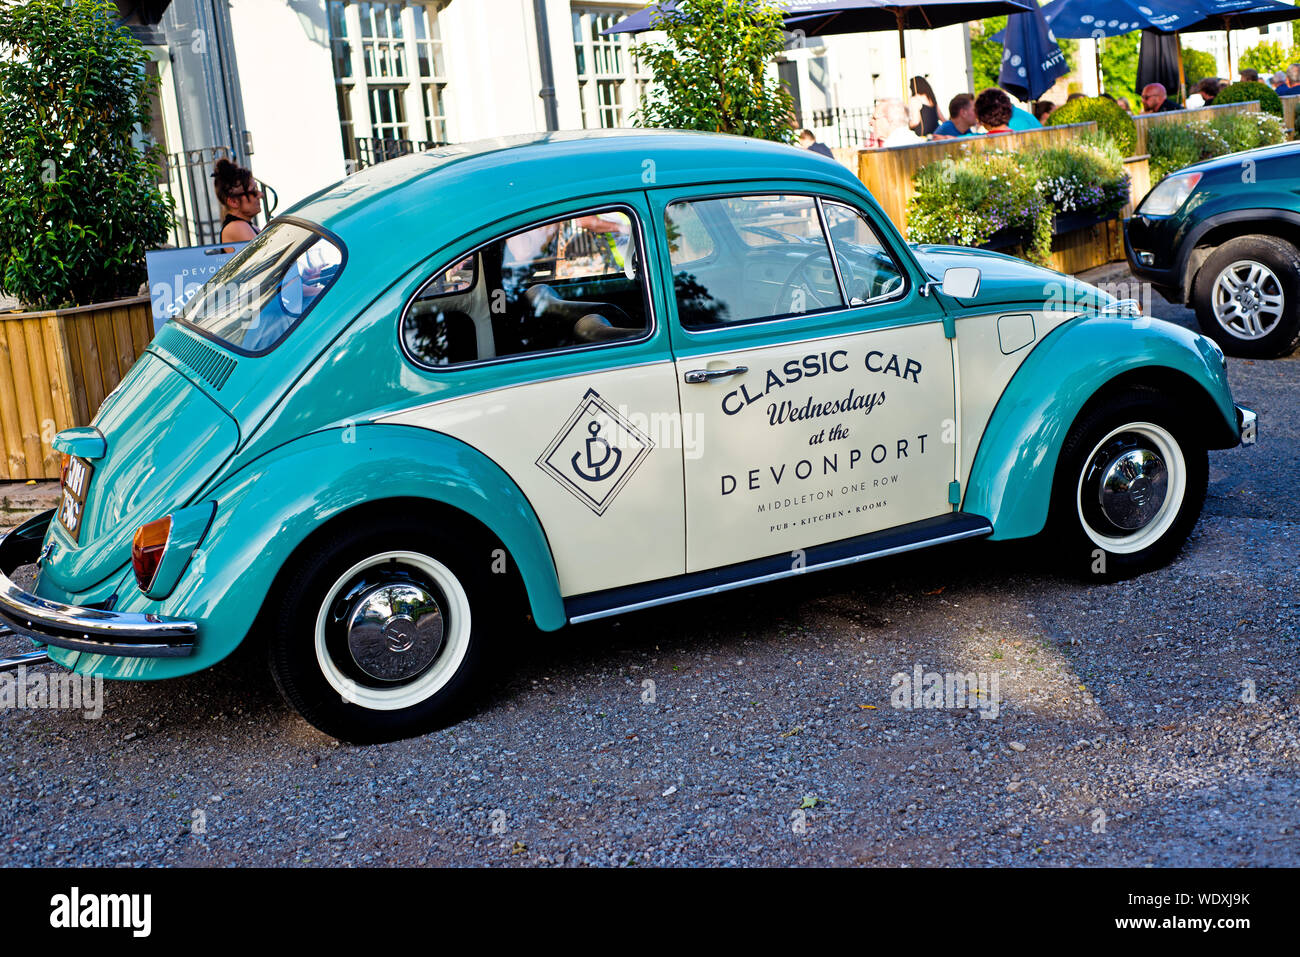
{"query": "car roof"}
(419, 202)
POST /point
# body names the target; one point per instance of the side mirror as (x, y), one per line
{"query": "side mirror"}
(961, 282)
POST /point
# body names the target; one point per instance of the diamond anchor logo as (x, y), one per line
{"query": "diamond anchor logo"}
(595, 452)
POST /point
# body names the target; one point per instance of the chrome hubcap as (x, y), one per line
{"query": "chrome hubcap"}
(395, 631)
(1248, 300)
(1133, 488)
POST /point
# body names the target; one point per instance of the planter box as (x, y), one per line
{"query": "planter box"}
(1079, 241)
(56, 367)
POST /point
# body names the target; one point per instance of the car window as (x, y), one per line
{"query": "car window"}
(257, 297)
(562, 284)
(769, 259)
(867, 267)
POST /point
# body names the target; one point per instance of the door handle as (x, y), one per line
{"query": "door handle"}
(708, 375)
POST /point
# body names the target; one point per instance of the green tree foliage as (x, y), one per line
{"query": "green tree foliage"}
(78, 201)
(711, 73)
(1119, 64)
(1267, 57)
(1197, 65)
(1244, 92)
(1112, 121)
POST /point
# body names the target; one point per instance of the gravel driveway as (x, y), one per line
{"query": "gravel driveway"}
(1149, 722)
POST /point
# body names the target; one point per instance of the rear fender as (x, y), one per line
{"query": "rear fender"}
(270, 507)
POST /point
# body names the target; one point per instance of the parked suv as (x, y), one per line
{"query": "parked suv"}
(1224, 237)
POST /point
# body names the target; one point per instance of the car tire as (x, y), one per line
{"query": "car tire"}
(1247, 297)
(379, 631)
(1129, 485)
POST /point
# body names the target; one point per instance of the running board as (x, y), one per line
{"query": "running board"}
(894, 541)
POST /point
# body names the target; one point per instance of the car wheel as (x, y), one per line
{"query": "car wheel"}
(379, 633)
(1247, 297)
(1129, 485)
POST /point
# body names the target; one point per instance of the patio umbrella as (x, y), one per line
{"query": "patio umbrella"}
(1109, 18)
(818, 18)
(1031, 57)
(1160, 60)
(1229, 15)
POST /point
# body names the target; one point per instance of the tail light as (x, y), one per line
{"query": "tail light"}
(147, 550)
(64, 459)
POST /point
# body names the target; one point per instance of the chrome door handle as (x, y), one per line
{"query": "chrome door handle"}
(708, 375)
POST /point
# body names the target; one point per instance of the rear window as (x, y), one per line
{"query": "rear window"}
(256, 299)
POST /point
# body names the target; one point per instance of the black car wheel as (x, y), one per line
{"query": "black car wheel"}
(1129, 485)
(1247, 297)
(379, 632)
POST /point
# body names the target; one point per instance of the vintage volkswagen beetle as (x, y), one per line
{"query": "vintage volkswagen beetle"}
(574, 375)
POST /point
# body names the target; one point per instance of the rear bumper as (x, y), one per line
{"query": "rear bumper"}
(94, 630)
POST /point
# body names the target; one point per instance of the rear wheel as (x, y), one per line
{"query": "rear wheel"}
(1129, 485)
(379, 633)
(1247, 297)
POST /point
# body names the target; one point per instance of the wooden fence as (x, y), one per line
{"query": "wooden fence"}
(1147, 120)
(888, 173)
(1289, 104)
(56, 367)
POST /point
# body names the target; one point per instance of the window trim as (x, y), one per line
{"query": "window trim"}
(789, 317)
(647, 294)
(343, 263)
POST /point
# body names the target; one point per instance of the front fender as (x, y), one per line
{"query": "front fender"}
(268, 508)
(1011, 477)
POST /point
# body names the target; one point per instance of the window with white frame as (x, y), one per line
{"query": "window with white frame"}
(391, 78)
(611, 82)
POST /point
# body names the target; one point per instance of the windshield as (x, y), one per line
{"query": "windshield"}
(254, 300)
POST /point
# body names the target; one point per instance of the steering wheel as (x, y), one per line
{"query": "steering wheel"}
(782, 299)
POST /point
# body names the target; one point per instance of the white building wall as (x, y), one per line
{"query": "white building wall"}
(494, 78)
(287, 81)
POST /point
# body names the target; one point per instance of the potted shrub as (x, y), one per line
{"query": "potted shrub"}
(78, 209)
(1110, 118)
(1246, 90)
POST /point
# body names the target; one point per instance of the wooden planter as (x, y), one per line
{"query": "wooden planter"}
(1079, 241)
(56, 367)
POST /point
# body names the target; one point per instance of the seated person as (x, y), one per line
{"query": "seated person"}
(993, 107)
(961, 118)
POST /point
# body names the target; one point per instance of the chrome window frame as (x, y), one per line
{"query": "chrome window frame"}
(794, 316)
(647, 294)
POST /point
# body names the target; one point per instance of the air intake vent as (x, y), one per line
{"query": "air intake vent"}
(208, 364)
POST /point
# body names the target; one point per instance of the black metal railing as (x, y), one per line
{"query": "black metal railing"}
(187, 178)
(372, 150)
(839, 126)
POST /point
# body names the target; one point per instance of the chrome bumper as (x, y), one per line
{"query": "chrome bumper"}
(93, 630)
(1247, 425)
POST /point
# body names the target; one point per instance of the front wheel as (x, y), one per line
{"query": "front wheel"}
(1247, 297)
(379, 633)
(1129, 486)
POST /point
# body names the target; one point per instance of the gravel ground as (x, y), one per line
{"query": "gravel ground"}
(767, 736)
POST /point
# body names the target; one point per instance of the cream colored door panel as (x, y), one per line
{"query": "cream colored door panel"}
(817, 442)
(599, 457)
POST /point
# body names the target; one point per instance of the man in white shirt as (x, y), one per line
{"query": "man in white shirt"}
(891, 124)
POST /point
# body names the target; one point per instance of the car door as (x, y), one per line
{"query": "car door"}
(542, 341)
(820, 384)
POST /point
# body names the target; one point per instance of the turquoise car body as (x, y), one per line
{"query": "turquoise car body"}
(256, 454)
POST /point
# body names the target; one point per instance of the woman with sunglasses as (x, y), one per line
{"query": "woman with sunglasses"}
(239, 195)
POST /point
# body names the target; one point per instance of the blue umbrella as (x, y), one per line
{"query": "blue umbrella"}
(1031, 57)
(1109, 18)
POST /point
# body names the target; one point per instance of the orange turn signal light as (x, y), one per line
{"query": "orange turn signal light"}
(147, 550)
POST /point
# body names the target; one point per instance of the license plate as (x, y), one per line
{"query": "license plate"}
(76, 486)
